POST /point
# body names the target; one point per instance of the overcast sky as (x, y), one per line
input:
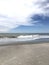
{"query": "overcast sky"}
(24, 16)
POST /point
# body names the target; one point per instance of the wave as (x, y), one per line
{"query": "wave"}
(23, 38)
(33, 37)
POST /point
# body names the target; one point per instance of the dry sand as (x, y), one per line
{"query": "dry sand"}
(28, 54)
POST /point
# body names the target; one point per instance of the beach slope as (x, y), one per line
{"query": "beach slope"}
(26, 54)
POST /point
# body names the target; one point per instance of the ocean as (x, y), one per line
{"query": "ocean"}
(9, 38)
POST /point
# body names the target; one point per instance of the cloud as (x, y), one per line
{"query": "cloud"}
(44, 5)
(41, 19)
(14, 13)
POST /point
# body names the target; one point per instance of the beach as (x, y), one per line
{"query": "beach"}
(24, 54)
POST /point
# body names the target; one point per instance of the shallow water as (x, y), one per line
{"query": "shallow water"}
(23, 38)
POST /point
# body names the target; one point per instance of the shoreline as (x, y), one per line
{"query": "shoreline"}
(24, 42)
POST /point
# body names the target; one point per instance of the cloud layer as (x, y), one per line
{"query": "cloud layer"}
(14, 13)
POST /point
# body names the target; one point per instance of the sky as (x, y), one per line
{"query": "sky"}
(24, 16)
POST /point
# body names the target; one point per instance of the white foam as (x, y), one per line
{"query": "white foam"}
(44, 36)
(33, 37)
(23, 38)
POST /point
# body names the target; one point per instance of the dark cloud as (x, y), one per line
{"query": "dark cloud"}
(44, 5)
(44, 17)
(41, 19)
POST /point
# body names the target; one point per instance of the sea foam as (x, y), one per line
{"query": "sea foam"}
(23, 38)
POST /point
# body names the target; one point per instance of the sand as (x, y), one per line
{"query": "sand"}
(26, 54)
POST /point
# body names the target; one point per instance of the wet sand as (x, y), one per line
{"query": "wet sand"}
(25, 54)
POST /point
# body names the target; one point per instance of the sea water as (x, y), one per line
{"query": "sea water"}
(20, 37)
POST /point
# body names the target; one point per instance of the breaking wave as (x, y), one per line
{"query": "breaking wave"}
(32, 37)
(23, 38)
